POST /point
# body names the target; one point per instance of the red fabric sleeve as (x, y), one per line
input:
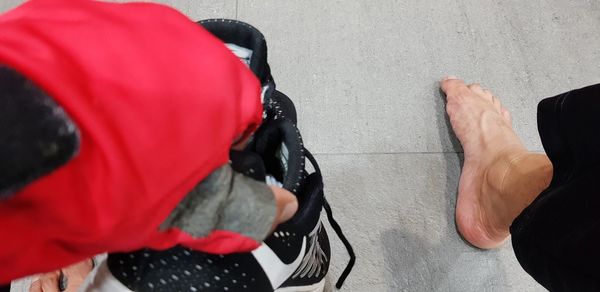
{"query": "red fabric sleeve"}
(158, 101)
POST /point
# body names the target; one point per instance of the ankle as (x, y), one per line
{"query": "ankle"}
(504, 205)
(528, 176)
(501, 167)
(514, 180)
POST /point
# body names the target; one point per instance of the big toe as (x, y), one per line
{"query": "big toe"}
(452, 85)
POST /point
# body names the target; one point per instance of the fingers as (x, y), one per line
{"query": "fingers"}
(36, 286)
(46, 283)
(287, 205)
(76, 274)
(50, 284)
(79, 269)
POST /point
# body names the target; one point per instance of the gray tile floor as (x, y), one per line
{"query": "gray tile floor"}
(364, 77)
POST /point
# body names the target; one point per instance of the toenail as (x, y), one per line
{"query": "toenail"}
(450, 77)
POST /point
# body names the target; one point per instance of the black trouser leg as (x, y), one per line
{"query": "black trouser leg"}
(557, 238)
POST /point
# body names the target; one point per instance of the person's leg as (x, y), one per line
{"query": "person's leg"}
(550, 208)
(500, 177)
(556, 238)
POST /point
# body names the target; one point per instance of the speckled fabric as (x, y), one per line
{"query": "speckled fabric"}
(181, 269)
(226, 200)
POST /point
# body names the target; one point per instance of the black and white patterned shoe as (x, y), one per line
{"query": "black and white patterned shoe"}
(296, 257)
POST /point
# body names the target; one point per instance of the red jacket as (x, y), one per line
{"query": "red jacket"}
(158, 101)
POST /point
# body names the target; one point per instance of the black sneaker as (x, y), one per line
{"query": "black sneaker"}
(278, 135)
(249, 44)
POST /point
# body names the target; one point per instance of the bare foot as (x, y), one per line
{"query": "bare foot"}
(74, 276)
(484, 128)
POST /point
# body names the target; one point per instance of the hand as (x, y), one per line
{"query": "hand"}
(75, 275)
(287, 205)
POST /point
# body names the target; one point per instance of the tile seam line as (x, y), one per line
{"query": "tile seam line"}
(237, 8)
(395, 153)
(383, 153)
